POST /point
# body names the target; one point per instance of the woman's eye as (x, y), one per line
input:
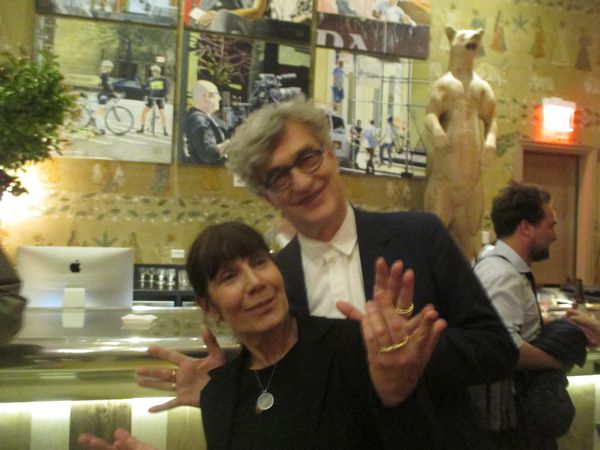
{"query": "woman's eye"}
(226, 276)
(260, 260)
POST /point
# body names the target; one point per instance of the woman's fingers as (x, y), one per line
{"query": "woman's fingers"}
(350, 311)
(382, 275)
(404, 304)
(166, 354)
(169, 404)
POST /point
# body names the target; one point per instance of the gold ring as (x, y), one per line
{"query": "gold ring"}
(405, 311)
(393, 347)
(174, 375)
(173, 386)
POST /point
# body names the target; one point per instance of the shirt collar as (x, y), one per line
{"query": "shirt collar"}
(507, 251)
(343, 241)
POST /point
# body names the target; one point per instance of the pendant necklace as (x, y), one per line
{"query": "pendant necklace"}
(265, 400)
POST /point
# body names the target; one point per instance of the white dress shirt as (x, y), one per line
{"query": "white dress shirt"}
(332, 270)
(510, 291)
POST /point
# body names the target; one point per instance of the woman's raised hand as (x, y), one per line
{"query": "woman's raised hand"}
(399, 344)
(188, 379)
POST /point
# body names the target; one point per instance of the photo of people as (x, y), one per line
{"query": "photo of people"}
(227, 78)
(392, 27)
(261, 19)
(124, 76)
(156, 12)
(377, 130)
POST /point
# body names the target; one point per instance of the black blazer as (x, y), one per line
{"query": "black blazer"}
(474, 349)
(336, 406)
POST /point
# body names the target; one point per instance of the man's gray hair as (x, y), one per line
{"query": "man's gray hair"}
(252, 146)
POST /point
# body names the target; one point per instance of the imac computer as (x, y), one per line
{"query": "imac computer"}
(76, 277)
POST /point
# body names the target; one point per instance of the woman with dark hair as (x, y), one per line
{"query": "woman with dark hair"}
(304, 382)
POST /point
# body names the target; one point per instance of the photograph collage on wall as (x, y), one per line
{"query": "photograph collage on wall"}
(389, 27)
(156, 12)
(237, 56)
(260, 19)
(227, 78)
(125, 79)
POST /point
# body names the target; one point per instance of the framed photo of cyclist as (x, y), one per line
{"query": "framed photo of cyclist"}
(155, 12)
(226, 78)
(376, 109)
(125, 77)
(260, 19)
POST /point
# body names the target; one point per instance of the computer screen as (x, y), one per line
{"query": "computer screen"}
(104, 273)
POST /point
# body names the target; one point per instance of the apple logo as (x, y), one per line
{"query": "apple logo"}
(75, 267)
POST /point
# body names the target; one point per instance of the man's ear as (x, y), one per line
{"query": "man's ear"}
(269, 199)
(331, 154)
(526, 228)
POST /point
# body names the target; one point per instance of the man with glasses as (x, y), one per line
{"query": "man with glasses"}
(204, 133)
(283, 152)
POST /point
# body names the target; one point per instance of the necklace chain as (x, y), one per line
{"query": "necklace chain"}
(265, 389)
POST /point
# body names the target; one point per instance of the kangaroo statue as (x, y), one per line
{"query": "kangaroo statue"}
(459, 100)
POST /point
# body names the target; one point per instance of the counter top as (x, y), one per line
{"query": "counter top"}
(93, 354)
(86, 335)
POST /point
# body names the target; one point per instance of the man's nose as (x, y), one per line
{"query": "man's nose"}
(300, 180)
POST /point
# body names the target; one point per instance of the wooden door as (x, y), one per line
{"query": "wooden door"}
(558, 174)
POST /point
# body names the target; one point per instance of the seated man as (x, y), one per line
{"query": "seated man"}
(524, 222)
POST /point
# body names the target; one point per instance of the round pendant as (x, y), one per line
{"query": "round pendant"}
(264, 401)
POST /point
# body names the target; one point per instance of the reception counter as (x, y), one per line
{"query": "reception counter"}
(69, 373)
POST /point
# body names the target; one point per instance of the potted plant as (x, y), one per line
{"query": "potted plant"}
(34, 103)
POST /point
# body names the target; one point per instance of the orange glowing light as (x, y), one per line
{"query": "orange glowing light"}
(558, 116)
(554, 121)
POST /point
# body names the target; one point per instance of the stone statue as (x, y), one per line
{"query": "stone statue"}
(459, 100)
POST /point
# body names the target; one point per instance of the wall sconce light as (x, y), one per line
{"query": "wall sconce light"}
(557, 121)
(14, 210)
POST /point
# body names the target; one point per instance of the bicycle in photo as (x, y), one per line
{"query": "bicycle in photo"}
(117, 118)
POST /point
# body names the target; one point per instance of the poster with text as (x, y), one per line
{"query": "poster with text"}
(390, 27)
(156, 12)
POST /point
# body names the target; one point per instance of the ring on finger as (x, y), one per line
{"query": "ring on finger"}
(405, 311)
(394, 347)
(174, 375)
(173, 386)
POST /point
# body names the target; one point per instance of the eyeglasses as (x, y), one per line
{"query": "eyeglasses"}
(307, 161)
